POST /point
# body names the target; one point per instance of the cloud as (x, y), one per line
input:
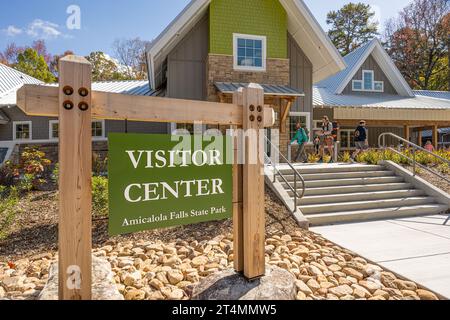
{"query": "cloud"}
(12, 31)
(43, 29)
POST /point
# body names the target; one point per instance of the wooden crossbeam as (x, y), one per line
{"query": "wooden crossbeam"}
(37, 100)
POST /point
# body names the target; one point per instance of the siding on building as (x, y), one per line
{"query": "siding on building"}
(371, 64)
(301, 74)
(187, 65)
(255, 17)
(40, 125)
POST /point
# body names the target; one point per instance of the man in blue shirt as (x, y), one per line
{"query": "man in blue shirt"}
(301, 138)
(361, 141)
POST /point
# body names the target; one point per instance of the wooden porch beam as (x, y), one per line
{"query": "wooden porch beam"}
(285, 109)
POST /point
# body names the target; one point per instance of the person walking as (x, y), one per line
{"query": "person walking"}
(361, 141)
(327, 140)
(429, 146)
(301, 138)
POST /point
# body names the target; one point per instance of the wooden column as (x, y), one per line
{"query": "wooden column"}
(75, 165)
(406, 133)
(253, 185)
(419, 137)
(435, 136)
(238, 209)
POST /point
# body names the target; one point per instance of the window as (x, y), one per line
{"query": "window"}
(53, 129)
(304, 118)
(347, 139)
(368, 80)
(368, 83)
(357, 85)
(98, 129)
(378, 86)
(22, 130)
(249, 52)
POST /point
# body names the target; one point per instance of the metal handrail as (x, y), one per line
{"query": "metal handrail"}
(415, 148)
(297, 175)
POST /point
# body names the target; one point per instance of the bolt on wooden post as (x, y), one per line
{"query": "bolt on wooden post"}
(75, 166)
(253, 183)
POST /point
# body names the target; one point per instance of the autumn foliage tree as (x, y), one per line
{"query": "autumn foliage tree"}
(418, 42)
(33, 64)
(351, 26)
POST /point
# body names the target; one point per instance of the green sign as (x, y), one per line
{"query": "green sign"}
(155, 182)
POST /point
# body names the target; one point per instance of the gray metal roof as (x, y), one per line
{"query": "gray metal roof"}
(322, 97)
(10, 81)
(433, 94)
(131, 87)
(273, 90)
(333, 82)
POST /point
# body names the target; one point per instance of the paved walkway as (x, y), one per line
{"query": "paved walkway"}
(416, 248)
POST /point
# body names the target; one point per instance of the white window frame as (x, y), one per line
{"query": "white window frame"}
(363, 80)
(15, 123)
(102, 137)
(308, 120)
(50, 130)
(102, 121)
(351, 133)
(237, 36)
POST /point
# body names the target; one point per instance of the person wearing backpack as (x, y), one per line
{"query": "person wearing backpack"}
(301, 138)
(326, 138)
(361, 141)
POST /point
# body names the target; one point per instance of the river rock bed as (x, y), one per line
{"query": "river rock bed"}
(155, 270)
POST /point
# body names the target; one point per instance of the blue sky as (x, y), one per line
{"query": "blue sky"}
(103, 21)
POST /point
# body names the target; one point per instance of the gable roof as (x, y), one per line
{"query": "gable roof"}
(302, 25)
(356, 59)
(10, 81)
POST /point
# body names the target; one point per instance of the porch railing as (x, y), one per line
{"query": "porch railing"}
(298, 178)
(413, 160)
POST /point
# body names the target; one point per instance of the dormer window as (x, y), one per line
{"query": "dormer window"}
(249, 52)
(368, 83)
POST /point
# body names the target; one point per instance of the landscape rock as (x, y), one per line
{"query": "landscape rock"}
(277, 284)
(103, 286)
(426, 295)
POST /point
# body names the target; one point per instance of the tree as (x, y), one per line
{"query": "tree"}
(131, 55)
(351, 26)
(104, 68)
(54, 63)
(33, 64)
(9, 55)
(418, 42)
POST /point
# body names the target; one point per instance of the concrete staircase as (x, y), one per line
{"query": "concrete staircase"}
(342, 193)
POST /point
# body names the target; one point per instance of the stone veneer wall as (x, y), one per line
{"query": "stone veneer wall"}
(220, 69)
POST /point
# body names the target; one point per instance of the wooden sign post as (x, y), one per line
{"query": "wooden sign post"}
(75, 189)
(75, 105)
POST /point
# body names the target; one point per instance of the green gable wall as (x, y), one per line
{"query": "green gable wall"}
(256, 17)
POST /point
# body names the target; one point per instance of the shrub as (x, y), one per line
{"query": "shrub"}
(345, 157)
(29, 173)
(99, 196)
(9, 198)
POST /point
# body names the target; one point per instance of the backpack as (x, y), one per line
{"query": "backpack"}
(335, 130)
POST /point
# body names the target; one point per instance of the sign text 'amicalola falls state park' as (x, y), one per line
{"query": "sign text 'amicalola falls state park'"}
(155, 182)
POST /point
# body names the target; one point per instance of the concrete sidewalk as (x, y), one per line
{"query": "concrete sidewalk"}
(417, 248)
